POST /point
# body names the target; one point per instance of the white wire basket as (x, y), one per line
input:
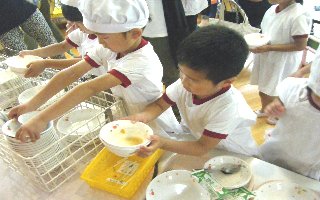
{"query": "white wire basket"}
(70, 156)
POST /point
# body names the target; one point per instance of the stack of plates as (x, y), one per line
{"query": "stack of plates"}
(36, 155)
(81, 126)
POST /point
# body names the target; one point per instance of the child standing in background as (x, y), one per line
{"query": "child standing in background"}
(79, 38)
(134, 69)
(213, 113)
(294, 142)
(288, 25)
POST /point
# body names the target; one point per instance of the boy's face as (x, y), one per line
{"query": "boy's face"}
(197, 83)
(116, 42)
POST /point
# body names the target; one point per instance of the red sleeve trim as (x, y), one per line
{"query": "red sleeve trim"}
(214, 134)
(167, 99)
(71, 43)
(300, 36)
(125, 82)
(90, 61)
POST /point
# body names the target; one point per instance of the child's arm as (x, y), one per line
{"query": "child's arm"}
(299, 44)
(37, 67)
(37, 124)
(194, 148)
(302, 71)
(50, 50)
(56, 84)
(275, 108)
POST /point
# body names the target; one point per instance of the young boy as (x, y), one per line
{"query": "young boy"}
(134, 70)
(294, 142)
(79, 38)
(211, 109)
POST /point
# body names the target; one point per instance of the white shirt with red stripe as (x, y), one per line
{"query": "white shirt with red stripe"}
(225, 116)
(140, 73)
(294, 142)
(270, 68)
(84, 42)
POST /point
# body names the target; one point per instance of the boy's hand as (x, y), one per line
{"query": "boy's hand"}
(31, 130)
(16, 111)
(275, 108)
(35, 68)
(262, 49)
(152, 147)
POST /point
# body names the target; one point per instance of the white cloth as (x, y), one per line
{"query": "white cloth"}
(83, 43)
(156, 27)
(270, 68)
(314, 78)
(194, 7)
(226, 114)
(114, 16)
(73, 3)
(294, 142)
(143, 70)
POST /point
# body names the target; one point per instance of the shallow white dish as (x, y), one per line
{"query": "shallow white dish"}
(229, 181)
(19, 64)
(176, 185)
(281, 190)
(255, 40)
(124, 137)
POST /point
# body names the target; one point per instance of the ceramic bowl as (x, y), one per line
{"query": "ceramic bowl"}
(255, 40)
(19, 64)
(125, 137)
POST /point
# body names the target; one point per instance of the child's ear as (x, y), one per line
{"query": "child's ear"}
(136, 33)
(228, 82)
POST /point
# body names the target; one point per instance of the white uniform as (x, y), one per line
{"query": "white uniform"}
(157, 26)
(84, 42)
(270, 68)
(294, 142)
(225, 116)
(194, 7)
(141, 73)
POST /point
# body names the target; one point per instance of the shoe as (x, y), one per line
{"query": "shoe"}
(272, 120)
(260, 113)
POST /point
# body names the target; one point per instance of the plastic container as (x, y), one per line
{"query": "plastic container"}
(118, 175)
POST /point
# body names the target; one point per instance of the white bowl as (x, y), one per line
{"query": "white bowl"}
(125, 137)
(25, 117)
(229, 181)
(255, 40)
(18, 64)
(176, 185)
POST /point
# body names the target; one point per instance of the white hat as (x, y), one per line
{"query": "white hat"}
(73, 3)
(114, 16)
(314, 78)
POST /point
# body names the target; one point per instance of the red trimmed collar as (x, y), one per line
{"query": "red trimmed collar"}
(142, 44)
(92, 36)
(201, 101)
(311, 100)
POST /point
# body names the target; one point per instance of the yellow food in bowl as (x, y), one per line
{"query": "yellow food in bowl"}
(130, 141)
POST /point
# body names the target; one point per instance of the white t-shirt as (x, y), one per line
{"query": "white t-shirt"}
(194, 7)
(84, 43)
(157, 26)
(294, 142)
(270, 68)
(141, 73)
(225, 116)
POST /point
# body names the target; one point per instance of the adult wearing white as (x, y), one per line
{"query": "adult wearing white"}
(294, 142)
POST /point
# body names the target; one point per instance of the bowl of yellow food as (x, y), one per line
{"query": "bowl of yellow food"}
(125, 137)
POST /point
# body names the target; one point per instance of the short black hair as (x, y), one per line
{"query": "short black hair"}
(71, 13)
(215, 50)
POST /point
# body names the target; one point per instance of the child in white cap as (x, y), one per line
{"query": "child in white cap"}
(79, 38)
(294, 142)
(134, 69)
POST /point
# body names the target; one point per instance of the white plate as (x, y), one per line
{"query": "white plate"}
(255, 40)
(229, 181)
(281, 190)
(176, 185)
(19, 64)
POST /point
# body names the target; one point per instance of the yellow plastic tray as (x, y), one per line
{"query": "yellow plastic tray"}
(118, 175)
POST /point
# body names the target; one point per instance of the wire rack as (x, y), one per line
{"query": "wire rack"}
(50, 172)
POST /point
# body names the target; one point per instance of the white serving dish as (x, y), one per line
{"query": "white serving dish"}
(18, 64)
(255, 40)
(125, 137)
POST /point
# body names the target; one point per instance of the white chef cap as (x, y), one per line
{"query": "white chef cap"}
(314, 78)
(73, 3)
(114, 16)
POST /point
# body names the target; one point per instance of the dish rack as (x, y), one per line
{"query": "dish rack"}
(70, 157)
